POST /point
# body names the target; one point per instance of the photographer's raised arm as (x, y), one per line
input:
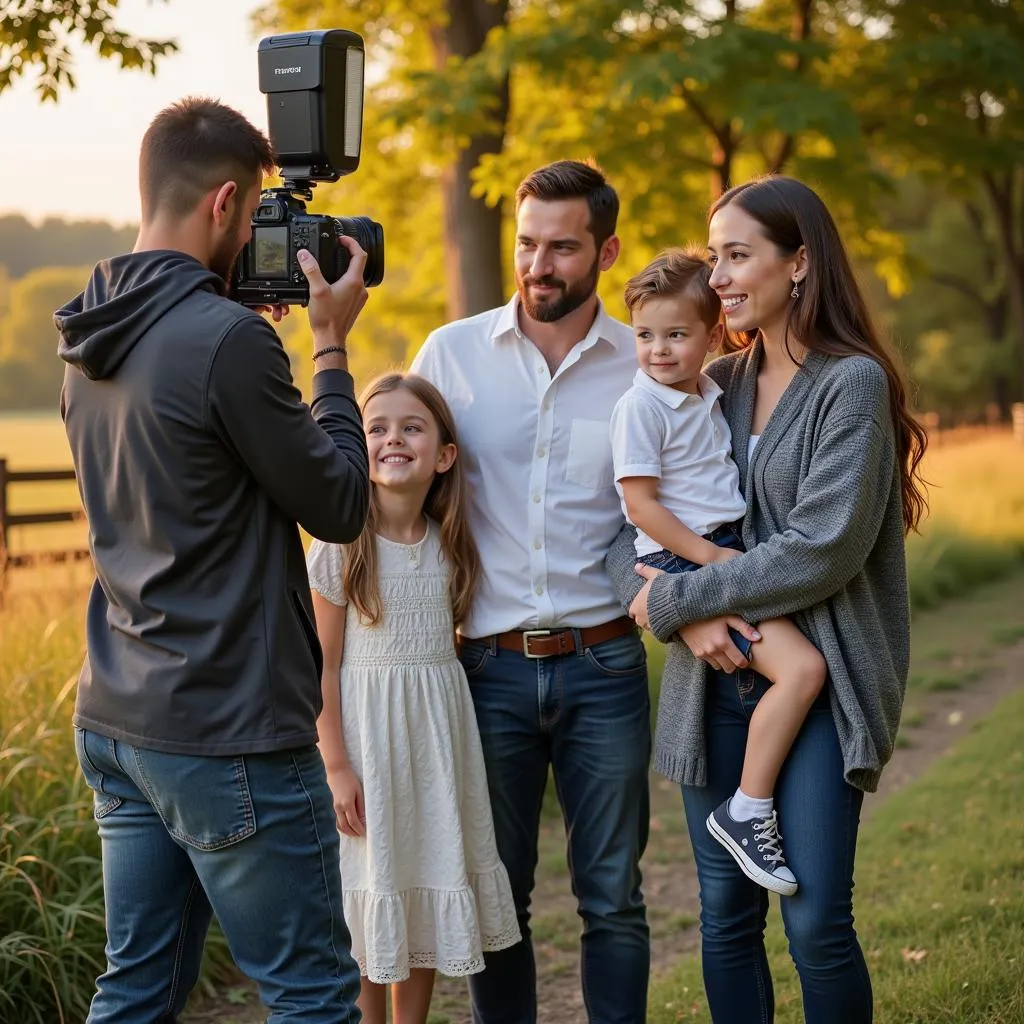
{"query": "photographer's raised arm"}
(333, 308)
(314, 467)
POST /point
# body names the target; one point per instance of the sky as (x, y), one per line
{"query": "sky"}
(79, 158)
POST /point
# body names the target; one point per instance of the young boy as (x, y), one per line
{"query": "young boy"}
(679, 486)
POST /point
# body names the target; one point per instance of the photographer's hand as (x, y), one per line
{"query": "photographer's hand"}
(333, 308)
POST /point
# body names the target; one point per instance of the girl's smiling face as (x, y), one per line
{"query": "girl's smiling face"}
(403, 441)
(752, 278)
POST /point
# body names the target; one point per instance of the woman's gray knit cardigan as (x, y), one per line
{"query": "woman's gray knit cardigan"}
(824, 539)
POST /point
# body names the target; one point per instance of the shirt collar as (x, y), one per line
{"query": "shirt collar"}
(507, 325)
(709, 390)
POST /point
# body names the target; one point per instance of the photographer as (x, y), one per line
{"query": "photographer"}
(195, 721)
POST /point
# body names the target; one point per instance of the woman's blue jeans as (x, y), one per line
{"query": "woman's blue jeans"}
(252, 839)
(818, 817)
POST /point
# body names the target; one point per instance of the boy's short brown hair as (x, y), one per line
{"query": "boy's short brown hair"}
(677, 272)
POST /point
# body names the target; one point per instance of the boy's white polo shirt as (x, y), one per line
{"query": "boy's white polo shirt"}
(684, 441)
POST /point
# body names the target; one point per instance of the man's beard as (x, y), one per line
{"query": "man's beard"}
(224, 257)
(566, 300)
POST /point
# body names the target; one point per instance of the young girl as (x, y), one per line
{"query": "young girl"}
(424, 890)
(680, 488)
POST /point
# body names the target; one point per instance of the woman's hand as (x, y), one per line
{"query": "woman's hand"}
(709, 640)
(638, 609)
(349, 808)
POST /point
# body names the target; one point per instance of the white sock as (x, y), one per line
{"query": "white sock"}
(746, 808)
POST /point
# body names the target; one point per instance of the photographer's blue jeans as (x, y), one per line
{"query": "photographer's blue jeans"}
(250, 838)
(819, 814)
(587, 715)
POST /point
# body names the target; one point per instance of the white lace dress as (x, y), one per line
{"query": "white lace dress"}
(424, 887)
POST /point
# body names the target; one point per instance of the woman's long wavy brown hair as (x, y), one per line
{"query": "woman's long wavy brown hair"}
(831, 315)
(444, 504)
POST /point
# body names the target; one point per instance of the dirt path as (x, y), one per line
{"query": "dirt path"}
(967, 656)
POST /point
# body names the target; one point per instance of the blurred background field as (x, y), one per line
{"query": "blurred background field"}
(975, 529)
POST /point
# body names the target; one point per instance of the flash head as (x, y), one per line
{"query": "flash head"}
(313, 82)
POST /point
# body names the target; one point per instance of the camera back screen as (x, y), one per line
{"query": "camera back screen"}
(271, 251)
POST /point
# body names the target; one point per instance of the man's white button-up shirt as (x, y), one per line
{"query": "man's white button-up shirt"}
(537, 455)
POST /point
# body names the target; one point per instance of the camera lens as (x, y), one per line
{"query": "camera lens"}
(370, 236)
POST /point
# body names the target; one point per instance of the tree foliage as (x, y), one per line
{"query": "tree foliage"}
(39, 35)
(906, 116)
(30, 372)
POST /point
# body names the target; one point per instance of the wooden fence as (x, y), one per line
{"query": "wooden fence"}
(8, 521)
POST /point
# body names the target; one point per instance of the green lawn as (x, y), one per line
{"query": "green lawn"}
(940, 895)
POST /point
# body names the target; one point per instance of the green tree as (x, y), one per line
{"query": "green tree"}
(38, 34)
(58, 242)
(943, 98)
(30, 372)
(418, 45)
(673, 98)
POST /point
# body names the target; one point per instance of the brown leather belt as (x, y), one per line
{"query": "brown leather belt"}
(546, 643)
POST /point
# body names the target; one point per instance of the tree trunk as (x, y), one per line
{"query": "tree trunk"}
(473, 278)
(801, 32)
(1002, 197)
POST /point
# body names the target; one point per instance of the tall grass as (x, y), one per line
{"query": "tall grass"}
(975, 528)
(51, 887)
(51, 900)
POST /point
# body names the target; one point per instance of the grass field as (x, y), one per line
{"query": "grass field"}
(940, 896)
(50, 901)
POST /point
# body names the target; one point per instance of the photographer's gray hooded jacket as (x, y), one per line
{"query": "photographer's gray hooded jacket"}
(195, 459)
(824, 539)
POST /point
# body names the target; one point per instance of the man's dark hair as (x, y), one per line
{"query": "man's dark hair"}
(193, 146)
(570, 179)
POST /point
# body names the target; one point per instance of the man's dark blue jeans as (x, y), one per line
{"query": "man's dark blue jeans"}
(586, 715)
(666, 561)
(252, 839)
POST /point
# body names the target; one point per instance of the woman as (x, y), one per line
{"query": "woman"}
(828, 456)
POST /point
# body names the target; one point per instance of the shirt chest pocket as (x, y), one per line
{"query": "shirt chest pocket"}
(589, 462)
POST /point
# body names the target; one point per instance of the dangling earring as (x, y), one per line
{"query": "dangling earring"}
(795, 293)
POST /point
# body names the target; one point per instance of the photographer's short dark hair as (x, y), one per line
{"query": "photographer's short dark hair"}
(193, 146)
(570, 179)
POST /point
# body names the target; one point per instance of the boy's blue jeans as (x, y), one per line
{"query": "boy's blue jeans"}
(666, 561)
(252, 839)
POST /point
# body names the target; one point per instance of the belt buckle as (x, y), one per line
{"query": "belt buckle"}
(527, 633)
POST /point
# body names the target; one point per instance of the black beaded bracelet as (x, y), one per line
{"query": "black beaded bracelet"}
(330, 348)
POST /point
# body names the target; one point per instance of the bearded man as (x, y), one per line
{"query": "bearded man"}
(557, 672)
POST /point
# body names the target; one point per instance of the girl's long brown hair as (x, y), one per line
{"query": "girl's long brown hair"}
(831, 315)
(444, 504)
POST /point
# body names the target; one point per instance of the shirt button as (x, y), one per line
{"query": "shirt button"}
(540, 369)
(539, 591)
(541, 452)
(536, 499)
(537, 545)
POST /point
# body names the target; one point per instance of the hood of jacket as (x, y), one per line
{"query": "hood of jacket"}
(125, 296)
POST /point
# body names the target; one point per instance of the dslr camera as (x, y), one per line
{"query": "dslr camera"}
(313, 82)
